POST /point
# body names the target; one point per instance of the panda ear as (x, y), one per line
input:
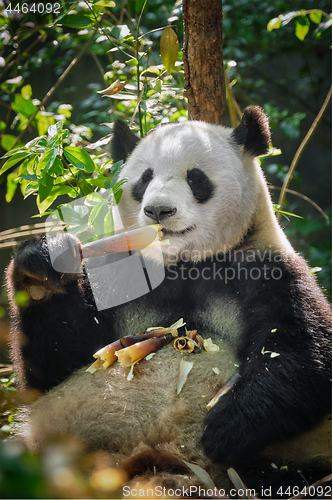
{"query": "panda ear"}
(253, 132)
(123, 141)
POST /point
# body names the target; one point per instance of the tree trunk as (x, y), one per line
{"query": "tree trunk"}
(203, 61)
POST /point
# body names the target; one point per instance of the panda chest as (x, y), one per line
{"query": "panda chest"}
(208, 306)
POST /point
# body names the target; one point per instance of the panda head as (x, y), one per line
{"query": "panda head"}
(199, 181)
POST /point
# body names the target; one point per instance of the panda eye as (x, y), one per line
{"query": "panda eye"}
(140, 186)
(201, 187)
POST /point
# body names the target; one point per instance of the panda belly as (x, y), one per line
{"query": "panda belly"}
(105, 410)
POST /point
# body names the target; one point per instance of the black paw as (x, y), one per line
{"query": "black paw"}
(34, 271)
(230, 436)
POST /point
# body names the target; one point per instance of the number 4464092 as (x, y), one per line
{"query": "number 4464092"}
(39, 8)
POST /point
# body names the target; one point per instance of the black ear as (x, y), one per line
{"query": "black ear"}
(253, 132)
(123, 141)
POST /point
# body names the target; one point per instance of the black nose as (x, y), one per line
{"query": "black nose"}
(159, 213)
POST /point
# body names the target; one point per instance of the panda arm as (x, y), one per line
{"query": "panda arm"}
(284, 354)
(58, 329)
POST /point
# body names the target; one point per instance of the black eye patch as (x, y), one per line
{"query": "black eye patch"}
(140, 186)
(201, 187)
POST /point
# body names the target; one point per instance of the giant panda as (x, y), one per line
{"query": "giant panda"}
(230, 272)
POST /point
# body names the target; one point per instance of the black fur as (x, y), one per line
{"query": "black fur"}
(253, 132)
(281, 309)
(202, 188)
(123, 141)
(141, 185)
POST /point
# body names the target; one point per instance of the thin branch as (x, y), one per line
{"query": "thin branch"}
(300, 195)
(54, 88)
(301, 149)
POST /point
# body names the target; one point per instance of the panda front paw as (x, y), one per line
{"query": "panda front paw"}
(229, 436)
(32, 270)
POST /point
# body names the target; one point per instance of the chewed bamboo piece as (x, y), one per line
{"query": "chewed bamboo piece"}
(133, 354)
(106, 356)
(136, 239)
(226, 388)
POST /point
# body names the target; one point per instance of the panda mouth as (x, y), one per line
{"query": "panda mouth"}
(168, 232)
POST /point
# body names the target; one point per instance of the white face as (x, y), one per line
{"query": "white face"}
(193, 181)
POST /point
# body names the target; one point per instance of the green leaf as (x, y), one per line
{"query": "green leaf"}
(82, 210)
(56, 191)
(44, 191)
(286, 18)
(54, 129)
(7, 141)
(105, 3)
(80, 159)
(24, 106)
(57, 168)
(26, 91)
(57, 139)
(12, 182)
(71, 216)
(108, 224)
(118, 185)
(45, 163)
(274, 24)
(65, 109)
(28, 189)
(116, 169)
(93, 199)
(23, 170)
(38, 141)
(277, 209)
(302, 27)
(11, 85)
(316, 16)
(31, 178)
(169, 47)
(32, 164)
(76, 21)
(44, 120)
(18, 149)
(117, 196)
(99, 182)
(95, 211)
(16, 158)
(2, 125)
(97, 217)
(120, 31)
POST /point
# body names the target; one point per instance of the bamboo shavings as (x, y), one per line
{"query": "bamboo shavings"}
(226, 388)
(190, 343)
(184, 344)
(209, 346)
(201, 473)
(184, 370)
